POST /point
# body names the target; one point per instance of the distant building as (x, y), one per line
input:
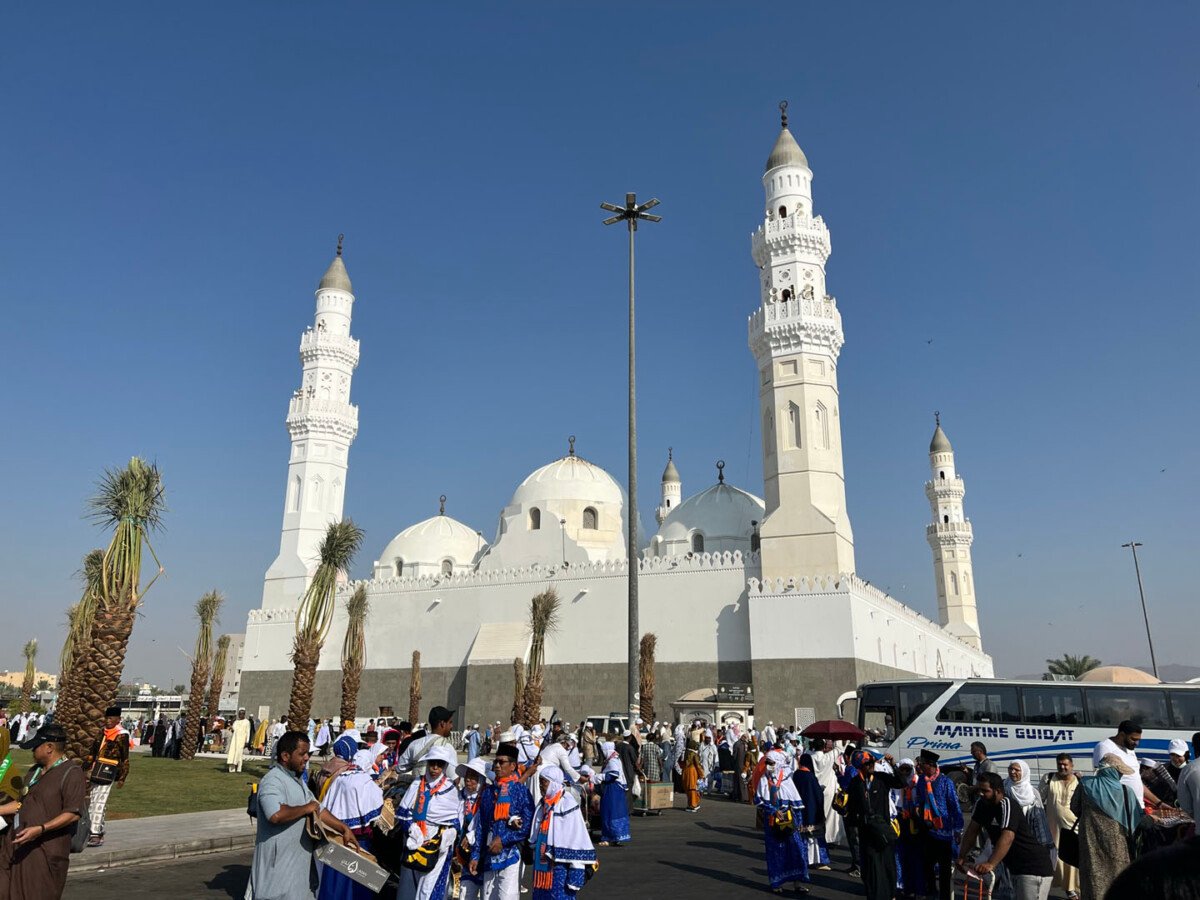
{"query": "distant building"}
(17, 677)
(232, 685)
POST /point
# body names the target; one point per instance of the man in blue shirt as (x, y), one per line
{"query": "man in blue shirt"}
(501, 826)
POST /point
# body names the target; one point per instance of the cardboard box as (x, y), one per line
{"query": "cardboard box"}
(656, 795)
(353, 865)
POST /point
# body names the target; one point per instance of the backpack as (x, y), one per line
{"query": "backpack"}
(841, 800)
(252, 800)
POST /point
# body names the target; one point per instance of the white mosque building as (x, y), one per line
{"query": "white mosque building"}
(740, 590)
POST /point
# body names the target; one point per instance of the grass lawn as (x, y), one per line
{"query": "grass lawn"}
(157, 787)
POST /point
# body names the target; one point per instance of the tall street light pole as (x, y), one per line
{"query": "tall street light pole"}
(1133, 545)
(630, 213)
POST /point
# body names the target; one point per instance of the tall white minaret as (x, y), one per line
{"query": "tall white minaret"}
(322, 423)
(950, 538)
(672, 489)
(796, 336)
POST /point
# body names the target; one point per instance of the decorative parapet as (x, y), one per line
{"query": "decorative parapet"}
(650, 565)
(796, 324)
(846, 584)
(322, 345)
(795, 233)
(949, 529)
(271, 616)
(307, 414)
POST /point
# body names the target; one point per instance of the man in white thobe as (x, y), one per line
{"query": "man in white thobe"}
(239, 737)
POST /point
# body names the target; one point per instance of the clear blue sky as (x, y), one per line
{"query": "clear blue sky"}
(1016, 183)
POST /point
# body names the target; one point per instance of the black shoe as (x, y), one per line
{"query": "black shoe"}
(854, 872)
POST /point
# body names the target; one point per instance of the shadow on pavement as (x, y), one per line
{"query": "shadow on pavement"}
(721, 875)
(230, 881)
(726, 848)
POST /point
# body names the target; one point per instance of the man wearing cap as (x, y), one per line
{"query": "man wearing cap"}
(501, 826)
(431, 811)
(939, 820)
(411, 764)
(471, 741)
(869, 810)
(556, 754)
(41, 844)
(474, 775)
(107, 764)
(239, 737)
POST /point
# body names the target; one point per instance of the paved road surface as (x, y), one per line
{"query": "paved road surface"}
(715, 853)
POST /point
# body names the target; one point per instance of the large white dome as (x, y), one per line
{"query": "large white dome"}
(439, 545)
(723, 516)
(569, 478)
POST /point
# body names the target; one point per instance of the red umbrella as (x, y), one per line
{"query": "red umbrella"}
(834, 730)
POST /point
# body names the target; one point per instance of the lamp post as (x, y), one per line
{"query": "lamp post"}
(1133, 545)
(630, 213)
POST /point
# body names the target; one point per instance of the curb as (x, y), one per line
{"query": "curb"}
(99, 858)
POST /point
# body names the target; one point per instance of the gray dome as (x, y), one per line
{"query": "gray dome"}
(940, 443)
(336, 277)
(670, 473)
(786, 152)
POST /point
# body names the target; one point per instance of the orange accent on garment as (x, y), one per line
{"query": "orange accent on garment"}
(501, 810)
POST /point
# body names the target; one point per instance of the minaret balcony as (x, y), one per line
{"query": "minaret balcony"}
(950, 488)
(794, 233)
(311, 414)
(949, 529)
(318, 344)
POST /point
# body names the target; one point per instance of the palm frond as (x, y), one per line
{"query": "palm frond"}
(29, 651)
(315, 615)
(354, 643)
(208, 609)
(133, 492)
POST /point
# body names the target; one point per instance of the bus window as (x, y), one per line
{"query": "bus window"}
(1053, 705)
(982, 703)
(1112, 706)
(915, 699)
(877, 713)
(1186, 706)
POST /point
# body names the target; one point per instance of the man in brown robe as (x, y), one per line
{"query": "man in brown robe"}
(39, 851)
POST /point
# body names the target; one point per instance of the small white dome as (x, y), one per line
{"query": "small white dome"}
(722, 515)
(569, 478)
(426, 548)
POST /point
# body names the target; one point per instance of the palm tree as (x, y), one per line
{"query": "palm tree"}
(131, 501)
(78, 643)
(1074, 667)
(341, 542)
(220, 658)
(518, 707)
(354, 649)
(208, 608)
(30, 652)
(543, 620)
(646, 675)
(414, 691)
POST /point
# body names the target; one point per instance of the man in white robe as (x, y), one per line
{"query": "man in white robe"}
(823, 767)
(239, 736)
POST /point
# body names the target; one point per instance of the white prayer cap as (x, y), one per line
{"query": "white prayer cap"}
(586, 770)
(626, 733)
(365, 759)
(477, 766)
(1148, 763)
(638, 722)
(508, 737)
(442, 753)
(1177, 747)
(552, 774)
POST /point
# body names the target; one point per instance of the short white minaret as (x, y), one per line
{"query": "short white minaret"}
(322, 423)
(950, 538)
(672, 489)
(796, 336)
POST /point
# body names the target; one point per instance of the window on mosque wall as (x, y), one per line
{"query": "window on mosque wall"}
(589, 517)
(697, 543)
(535, 519)
(447, 567)
(399, 567)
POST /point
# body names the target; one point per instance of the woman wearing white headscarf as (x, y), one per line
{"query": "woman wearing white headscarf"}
(1019, 788)
(431, 811)
(562, 851)
(353, 797)
(776, 796)
(614, 813)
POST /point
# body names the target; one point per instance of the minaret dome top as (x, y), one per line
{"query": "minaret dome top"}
(336, 278)
(786, 151)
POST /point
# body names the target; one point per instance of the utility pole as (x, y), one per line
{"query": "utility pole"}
(630, 213)
(1133, 545)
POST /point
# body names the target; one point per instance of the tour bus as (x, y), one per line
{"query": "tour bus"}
(1030, 720)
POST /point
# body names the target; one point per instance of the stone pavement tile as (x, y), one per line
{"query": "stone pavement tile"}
(135, 841)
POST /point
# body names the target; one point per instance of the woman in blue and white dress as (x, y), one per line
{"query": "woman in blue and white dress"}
(354, 798)
(562, 851)
(776, 796)
(431, 806)
(614, 812)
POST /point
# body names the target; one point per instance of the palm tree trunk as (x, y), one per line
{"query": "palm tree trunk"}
(98, 682)
(26, 692)
(533, 698)
(414, 690)
(66, 712)
(195, 711)
(351, 678)
(305, 656)
(518, 707)
(646, 676)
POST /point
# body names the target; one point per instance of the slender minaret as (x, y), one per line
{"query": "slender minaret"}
(796, 336)
(322, 423)
(950, 538)
(672, 489)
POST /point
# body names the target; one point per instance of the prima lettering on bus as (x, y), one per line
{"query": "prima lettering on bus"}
(927, 744)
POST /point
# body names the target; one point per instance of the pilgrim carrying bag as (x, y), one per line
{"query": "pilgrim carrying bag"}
(1068, 845)
(424, 857)
(104, 771)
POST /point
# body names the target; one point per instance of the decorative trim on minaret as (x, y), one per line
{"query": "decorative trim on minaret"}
(671, 489)
(796, 338)
(322, 424)
(950, 538)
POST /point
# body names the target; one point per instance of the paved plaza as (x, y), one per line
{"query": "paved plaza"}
(714, 853)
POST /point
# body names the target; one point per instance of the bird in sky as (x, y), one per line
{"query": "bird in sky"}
(930, 341)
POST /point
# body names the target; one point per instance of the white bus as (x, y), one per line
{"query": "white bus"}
(1030, 720)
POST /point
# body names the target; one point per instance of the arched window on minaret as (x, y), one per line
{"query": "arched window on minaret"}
(966, 582)
(314, 493)
(946, 520)
(942, 475)
(294, 493)
(783, 212)
(769, 433)
(821, 419)
(535, 519)
(954, 583)
(589, 517)
(794, 426)
(787, 294)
